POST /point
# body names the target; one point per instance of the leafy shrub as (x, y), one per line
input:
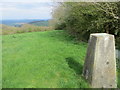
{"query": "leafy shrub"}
(81, 19)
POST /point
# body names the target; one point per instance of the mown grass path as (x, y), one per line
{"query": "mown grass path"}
(48, 59)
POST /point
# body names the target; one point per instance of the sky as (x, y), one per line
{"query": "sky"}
(30, 9)
(24, 9)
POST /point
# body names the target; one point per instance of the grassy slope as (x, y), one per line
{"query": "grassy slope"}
(42, 59)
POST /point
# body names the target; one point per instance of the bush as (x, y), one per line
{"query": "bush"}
(81, 19)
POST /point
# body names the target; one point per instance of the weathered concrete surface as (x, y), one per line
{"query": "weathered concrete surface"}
(100, 64)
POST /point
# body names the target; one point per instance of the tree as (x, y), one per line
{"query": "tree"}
(83, 18)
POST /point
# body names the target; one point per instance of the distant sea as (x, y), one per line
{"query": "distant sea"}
(18, 22)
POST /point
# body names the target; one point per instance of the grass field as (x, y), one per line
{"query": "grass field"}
(48, 59)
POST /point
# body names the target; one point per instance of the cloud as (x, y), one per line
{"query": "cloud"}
(26, 5)
(26, 0)
(26, 10)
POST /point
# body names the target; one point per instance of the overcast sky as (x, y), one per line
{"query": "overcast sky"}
(24, 9)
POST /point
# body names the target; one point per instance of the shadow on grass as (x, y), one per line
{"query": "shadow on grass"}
(118, 75)
(63, 36)
(77, 67)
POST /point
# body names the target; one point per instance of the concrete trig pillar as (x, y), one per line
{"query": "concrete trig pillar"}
(100, 63)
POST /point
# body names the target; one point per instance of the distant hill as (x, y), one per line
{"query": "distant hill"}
(40, 23)
(18, 23)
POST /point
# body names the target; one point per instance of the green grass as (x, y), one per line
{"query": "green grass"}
(118, 74)
(48, 59)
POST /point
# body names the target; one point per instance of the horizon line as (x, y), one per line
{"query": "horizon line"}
(25, 19)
